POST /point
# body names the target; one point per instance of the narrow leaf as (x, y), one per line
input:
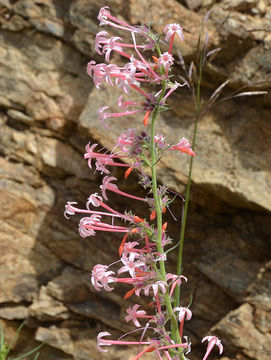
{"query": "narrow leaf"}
(2, 336)
(249, 93)
(218, 90)
(191, 68)
(29, 352)
(206, 17)
(37, 356)
(214, 51)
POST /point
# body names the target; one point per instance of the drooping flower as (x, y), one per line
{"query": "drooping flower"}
(176, 280)
(102, 72)
(108, 342)
(170, 30)
(88, 225)
(212, 341)
(107, 185)
(183, 146)
(134, 313)
(69, 209)
(154, 286)
(104, 115)
(184, 313)
(100, 40)
(165, 60)
(106, 18)
(100, 277)
(101, 341)
(103, 159)
(130, 265)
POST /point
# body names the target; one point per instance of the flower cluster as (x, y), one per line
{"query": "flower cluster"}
(145, 242)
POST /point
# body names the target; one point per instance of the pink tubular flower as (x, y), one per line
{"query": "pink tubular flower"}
(134, 313)
(128, 79)
(184, 147)
(107, 185)
(100, 277)
(104, 115)
(154, 287)
(90, 153)
(176, 280)
(170, 30)
(100, 40)
(105, 342)
(106, 18)
(83, 231)
(184, 313)
(213, 340)
(95, 200)
(102, 72)
(88, 225)
(159, 139)
(126, 139)
(112, 44)
(166, 60)
(101, 341)
(102, 159)
(69, 209)
(130, 265)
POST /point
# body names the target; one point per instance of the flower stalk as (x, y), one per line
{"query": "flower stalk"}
(144, 245)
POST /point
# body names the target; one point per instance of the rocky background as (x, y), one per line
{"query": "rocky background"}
(48, 112)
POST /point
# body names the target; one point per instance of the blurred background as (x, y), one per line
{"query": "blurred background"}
(48, 113)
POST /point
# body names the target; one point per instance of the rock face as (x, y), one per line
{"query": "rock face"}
(48, 110)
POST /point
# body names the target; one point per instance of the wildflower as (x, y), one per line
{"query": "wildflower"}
(102, 159)
(70, 209)
(154, 287)
(212, 341)
(126, 139)
(176, 280)
(159, 139)
(106, 18)
(184, 313)
(130, 264)
(100, 39)
(96, 200)
(104, 115)
(129, 247)
(184, 147)
(134, 313)
(140, 263)
(114, 43)
(188, 349)
(102, 72)
(170, 30)
(107, 342)
(88, 225)
(100, 277)
(165, 60)
(107, 185)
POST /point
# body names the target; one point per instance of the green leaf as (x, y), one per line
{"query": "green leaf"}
(29, 353)
(13, 341)
(2, 337)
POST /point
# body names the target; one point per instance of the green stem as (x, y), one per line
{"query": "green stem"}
(159, 220)
(187, 193)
